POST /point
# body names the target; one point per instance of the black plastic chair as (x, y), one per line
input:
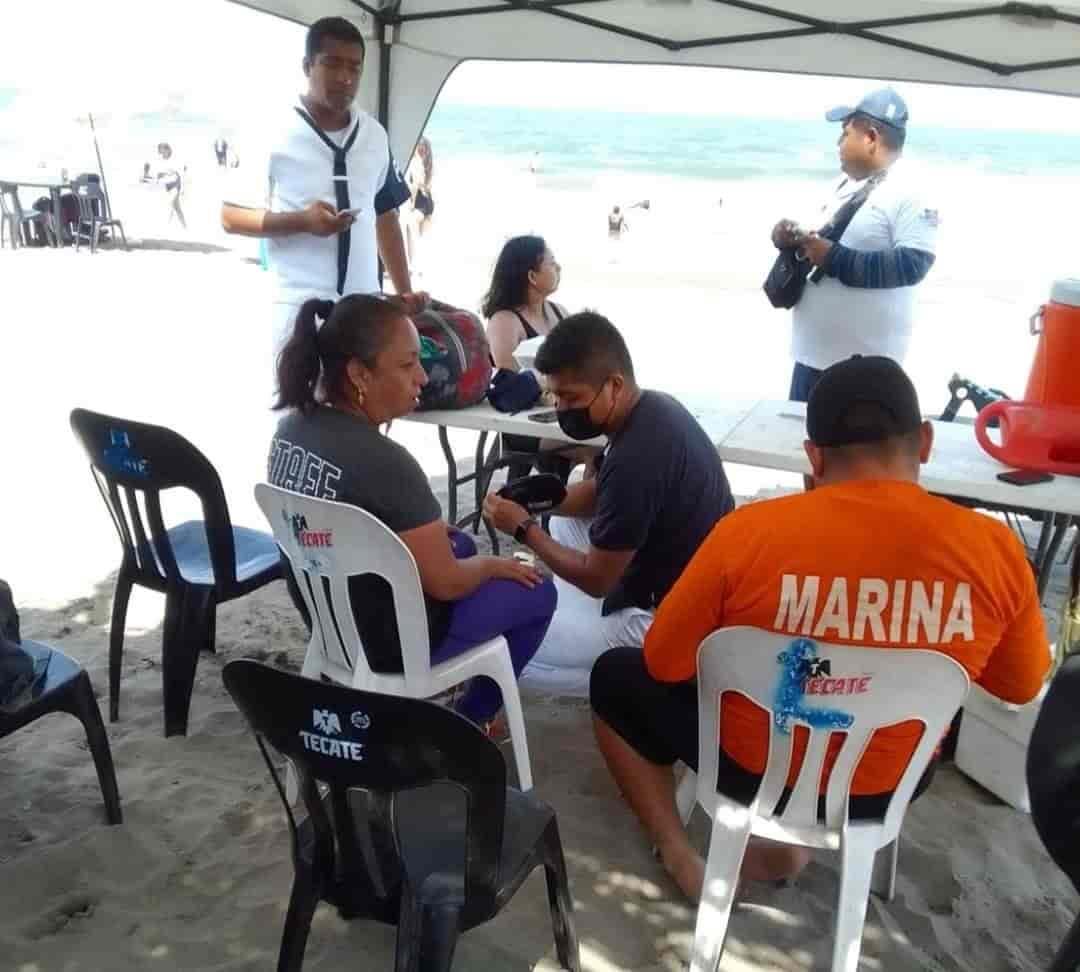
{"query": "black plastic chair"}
(1053, 778)
(384, 843)
(61, 685)
(196, 565)
(14, 220)
(94, 212)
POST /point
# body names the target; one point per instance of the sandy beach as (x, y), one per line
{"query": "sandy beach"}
(197, 878)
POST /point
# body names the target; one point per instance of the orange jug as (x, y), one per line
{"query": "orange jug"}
(1054, 379)
(1033, 436)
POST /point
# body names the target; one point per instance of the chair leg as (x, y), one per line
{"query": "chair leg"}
(1068, 956)
(515, 719)
(409, 931)
(120, 226)
(686, 796)
(188, 624)
(303, 901)
(727, 846)
(84, 707)
(857, 848)
(116, 641)
(560, 901)
(883, 881)
(439, 937)
(95, 236)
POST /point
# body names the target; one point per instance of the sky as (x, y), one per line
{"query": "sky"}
(221, 57)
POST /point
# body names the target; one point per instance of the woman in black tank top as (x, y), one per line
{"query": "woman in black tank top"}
(517, 305)
(517, 308)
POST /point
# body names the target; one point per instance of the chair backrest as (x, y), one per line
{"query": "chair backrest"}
(90, 197)
(349, 739)
(133, 461)
(1053, 769)
(827, 689)
(327, 543)
(9, 200)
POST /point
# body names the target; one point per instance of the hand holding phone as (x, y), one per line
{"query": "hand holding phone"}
(354, 212)
(1024, 477)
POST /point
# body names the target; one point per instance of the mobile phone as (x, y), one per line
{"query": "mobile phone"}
(1024, 477)
(355, 211)
(548, 416)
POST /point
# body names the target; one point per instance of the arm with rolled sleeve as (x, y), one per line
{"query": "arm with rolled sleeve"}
(904, 265)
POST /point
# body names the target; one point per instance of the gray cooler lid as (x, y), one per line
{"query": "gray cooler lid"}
(1066, 291)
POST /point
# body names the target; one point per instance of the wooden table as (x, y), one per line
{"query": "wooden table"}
(55, 190)
(772, 436)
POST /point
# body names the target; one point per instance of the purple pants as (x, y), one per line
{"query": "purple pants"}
(497, 607)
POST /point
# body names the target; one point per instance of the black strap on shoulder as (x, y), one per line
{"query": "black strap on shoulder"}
(835, 227)
(341, 189)
(555, 310)
(530, 332)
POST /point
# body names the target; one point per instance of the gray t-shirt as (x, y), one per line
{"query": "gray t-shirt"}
(330, 454)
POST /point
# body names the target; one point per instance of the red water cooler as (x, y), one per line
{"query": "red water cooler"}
(1043, 431)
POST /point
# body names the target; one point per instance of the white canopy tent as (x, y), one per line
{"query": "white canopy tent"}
(416, 44)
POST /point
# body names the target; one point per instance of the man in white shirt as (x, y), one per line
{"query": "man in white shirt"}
(860, 297)
(323, 188)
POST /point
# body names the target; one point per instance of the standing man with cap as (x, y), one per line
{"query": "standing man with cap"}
(860, 297)
(867, 558)
(323, 188)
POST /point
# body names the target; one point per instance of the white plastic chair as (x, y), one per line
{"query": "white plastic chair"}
(896, 685)
(341, 541)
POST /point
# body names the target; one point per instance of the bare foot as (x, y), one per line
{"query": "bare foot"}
(768, 860)
(685, 867)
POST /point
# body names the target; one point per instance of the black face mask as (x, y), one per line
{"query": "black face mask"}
(577, 423)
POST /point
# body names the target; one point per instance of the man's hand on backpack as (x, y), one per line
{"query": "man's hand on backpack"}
(415, 301)
(322, 219)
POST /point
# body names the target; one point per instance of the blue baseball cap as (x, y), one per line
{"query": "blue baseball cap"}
(883, 105)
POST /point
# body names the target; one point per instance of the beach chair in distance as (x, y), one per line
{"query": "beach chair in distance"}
(196, 565)
(409, 818)
(895, 685)
(1053, 778)
(60, 684)
(14, 219)
(326, 543)
(94, 215)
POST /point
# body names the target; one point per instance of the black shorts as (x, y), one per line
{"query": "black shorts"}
(659, 721)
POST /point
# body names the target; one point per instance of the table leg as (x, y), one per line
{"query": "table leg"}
(57, 207)
(1045, 567)
(451, 476)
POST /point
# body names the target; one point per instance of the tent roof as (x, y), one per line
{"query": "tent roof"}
(1005, 45)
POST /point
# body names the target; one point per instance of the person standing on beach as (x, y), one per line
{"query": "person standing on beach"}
(323, 188)
(863, 299)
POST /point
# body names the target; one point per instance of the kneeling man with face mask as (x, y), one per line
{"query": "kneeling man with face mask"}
(620, 540)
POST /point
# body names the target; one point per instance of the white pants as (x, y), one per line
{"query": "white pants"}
(579, 633)
(282, 321)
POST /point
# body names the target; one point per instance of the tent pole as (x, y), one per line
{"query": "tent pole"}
(101, 165)
(384, 74)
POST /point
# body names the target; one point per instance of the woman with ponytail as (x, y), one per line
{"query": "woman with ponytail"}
(338, 384)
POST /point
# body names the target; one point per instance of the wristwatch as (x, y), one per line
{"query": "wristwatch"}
(523, 528)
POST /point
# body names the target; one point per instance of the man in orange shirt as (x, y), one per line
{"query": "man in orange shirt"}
(867, 557)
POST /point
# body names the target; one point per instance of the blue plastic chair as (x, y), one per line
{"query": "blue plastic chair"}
(196, 565)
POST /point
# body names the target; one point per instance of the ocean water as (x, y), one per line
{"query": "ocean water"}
(578, 148)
